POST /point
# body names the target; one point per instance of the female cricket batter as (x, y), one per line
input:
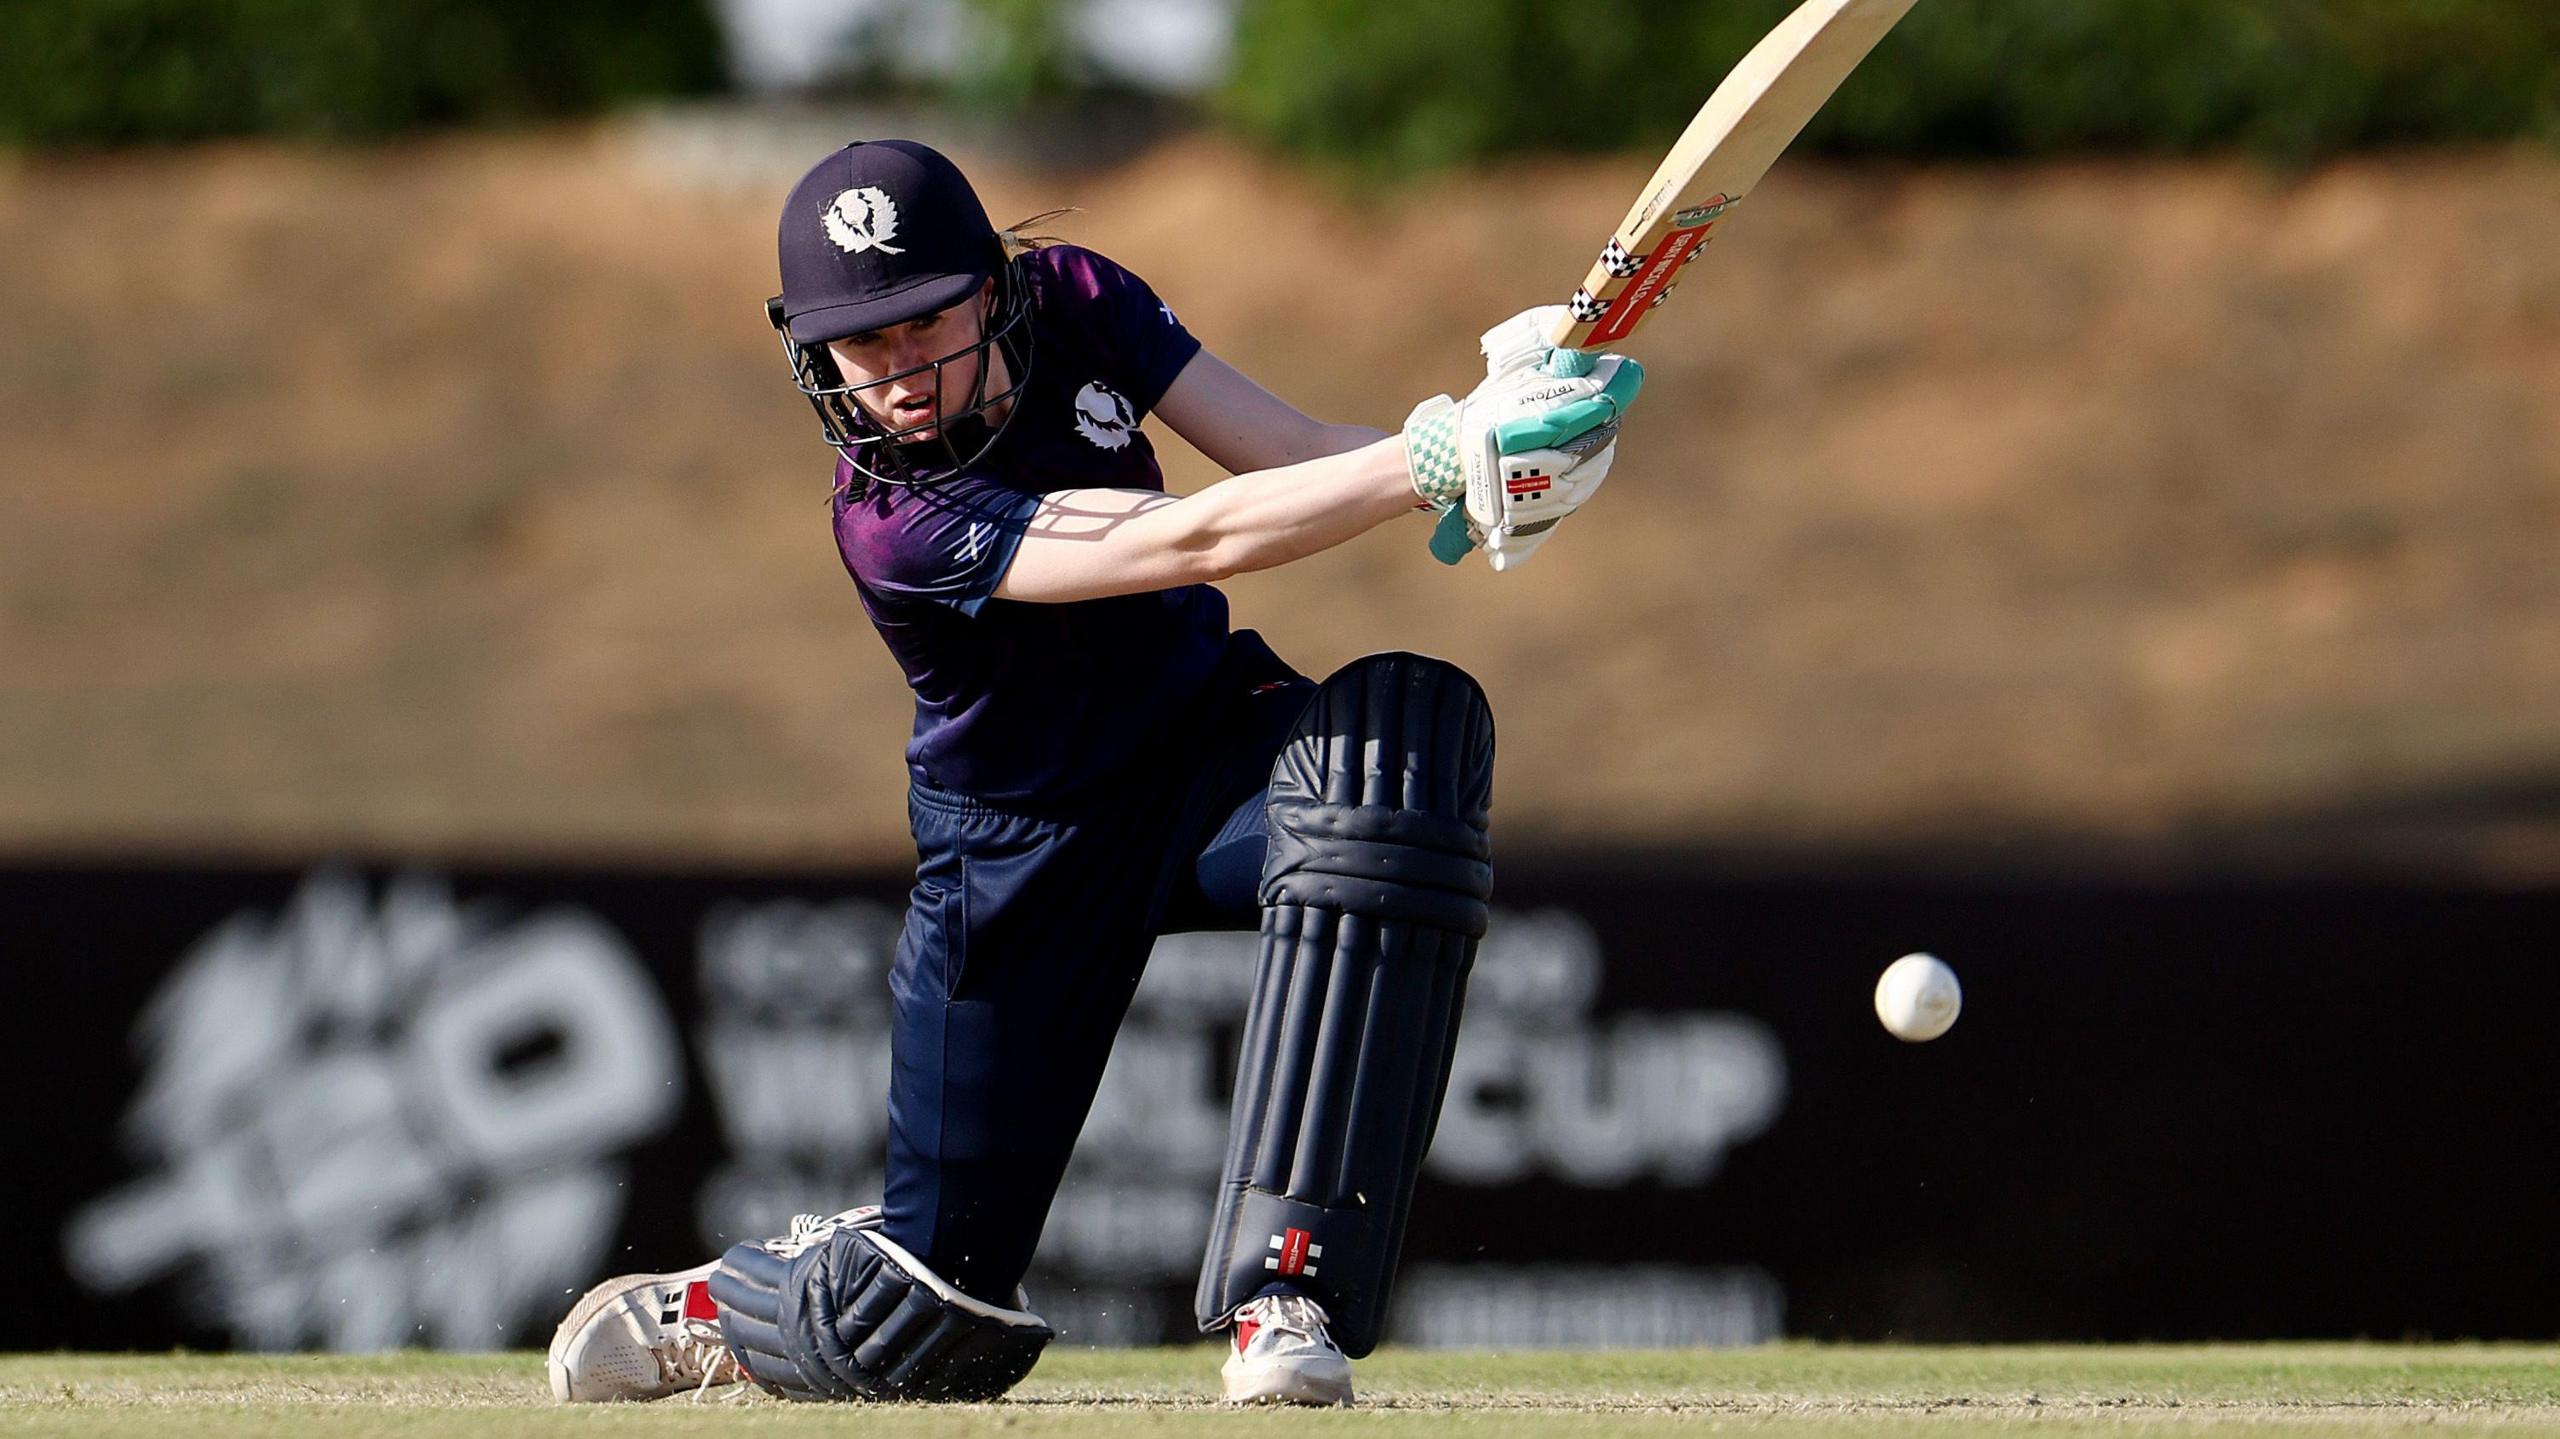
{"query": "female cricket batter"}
(1097, 760)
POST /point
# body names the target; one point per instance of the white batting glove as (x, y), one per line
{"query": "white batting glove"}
(1523, 450)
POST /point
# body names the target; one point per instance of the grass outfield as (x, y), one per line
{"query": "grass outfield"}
(2289, 1389)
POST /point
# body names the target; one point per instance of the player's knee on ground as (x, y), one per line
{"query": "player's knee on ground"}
(1374, 891)
(842, 1313)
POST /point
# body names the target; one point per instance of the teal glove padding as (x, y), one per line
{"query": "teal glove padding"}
(1550, 428)
(1452, 539)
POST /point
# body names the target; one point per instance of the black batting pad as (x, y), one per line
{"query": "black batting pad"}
(1374, 894)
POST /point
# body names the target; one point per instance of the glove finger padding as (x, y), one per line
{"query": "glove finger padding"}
(1588, 391)
(1520, 342)
(1583, 481)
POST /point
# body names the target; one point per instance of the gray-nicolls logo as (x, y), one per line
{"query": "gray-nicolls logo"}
(863, 219)
(1290, 1253)
(374, 1124)
(1104, 416)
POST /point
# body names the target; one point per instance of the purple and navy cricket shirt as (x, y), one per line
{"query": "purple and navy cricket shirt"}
(1028, 704)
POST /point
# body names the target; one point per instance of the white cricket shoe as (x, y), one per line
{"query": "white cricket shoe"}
(1284, 1356)
(642, 1336)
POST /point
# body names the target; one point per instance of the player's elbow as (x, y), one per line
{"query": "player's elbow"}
(1226, 555)
(1216, 542)
(1191, 550)
(1223, 557)
(1231, 529)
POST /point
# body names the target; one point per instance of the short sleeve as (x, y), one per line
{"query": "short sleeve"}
(948, 543)
(1138, 329)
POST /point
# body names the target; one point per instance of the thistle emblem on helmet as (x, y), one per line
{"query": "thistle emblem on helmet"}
(863, 219)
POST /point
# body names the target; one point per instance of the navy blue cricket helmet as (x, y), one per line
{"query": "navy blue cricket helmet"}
(879, 233)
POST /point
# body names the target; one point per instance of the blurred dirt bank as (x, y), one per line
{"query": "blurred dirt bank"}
(450, 500)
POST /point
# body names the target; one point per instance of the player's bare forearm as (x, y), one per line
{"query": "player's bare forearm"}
(1267, 518)
(1086, 544)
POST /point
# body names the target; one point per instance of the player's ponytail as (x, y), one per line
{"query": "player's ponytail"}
(1020, 239)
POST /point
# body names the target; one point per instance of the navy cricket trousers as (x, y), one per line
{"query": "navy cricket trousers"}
(1024, 940)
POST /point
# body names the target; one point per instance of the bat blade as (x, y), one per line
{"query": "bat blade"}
(1745, 125)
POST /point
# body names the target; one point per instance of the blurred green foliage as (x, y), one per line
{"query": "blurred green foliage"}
(1391, 87)
(1016, 60)
(1019, 57)
(103, 72)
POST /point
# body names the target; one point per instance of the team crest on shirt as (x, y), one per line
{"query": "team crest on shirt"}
(1104, 416)
(863, 219)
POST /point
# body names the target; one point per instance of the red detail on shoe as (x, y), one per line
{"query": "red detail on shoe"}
(697, 1301)
(1245, 1330)
(1293, 1251)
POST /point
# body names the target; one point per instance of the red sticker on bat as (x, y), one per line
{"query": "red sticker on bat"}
(1649, 281)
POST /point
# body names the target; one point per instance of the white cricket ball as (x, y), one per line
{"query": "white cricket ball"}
(1918, 998)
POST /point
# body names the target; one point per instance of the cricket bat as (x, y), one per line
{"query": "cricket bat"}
(1752, 117)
